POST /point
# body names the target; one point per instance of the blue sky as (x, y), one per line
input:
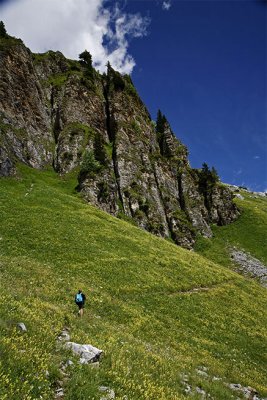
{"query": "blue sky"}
(202, 63)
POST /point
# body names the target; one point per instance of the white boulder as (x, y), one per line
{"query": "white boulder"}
(87, 352)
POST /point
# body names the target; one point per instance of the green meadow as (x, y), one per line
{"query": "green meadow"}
(162, 315)
(247, 233)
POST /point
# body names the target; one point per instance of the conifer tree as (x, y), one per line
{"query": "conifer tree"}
(207, 178)
(86, 61)
(109, 68)
(161, 121)
(115, 78)
(3, 32)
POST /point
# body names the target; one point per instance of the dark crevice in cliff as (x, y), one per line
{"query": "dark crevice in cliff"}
(181, 193)
(52, 101)
(111, 127)
(109, 122)
(56, 126)
(163, 205)
(207, 202)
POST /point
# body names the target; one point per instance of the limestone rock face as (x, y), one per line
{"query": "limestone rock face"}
(24, 118)
(55, 112)
(222, 208)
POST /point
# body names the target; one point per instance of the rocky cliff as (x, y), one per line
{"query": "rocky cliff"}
(61, 113)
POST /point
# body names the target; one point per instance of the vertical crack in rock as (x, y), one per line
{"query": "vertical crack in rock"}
(56, 126)
(181, 192)
(111, 131)
(56, 132)
(163, 205)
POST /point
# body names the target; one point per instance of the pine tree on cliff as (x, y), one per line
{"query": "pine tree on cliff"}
(161, 122)
(161, 126)
(115, 78)
(86, 61)
(109, 69)
(208, 177)
(207, 180)
(3, 32)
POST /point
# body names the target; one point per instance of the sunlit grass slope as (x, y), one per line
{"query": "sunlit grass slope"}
(156, 310)
(247, 233)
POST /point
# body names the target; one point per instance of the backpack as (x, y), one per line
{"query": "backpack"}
(79, 298)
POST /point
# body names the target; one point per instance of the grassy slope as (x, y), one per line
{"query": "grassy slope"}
(142, 308)
(248, 233)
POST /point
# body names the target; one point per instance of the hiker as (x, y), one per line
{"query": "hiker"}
(80, 300)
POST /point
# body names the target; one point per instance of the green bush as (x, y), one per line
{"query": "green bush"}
(136, 127)
(89, 165)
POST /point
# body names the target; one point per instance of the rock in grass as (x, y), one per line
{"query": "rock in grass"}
(201, 392)
(22, 327)
(59, 393)
(202, 373)
(239, 196)
(109, 394)
(249, 392)
(250, 265)
(64, 336)
(87, 352)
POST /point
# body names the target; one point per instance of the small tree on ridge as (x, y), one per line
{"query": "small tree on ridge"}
(3, 32)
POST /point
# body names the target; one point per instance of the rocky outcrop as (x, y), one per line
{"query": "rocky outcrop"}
(57, 112)
(250, 266)
(222, 209)
(24, 117)
(86, 352)
(203, 374)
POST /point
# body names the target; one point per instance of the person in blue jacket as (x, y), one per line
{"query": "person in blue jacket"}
(80, 301)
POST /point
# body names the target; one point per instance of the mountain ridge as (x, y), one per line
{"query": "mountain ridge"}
(62, 113)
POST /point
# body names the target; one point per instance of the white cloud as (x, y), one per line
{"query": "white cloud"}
(72, 26)
(166, 5)
(256, 157)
